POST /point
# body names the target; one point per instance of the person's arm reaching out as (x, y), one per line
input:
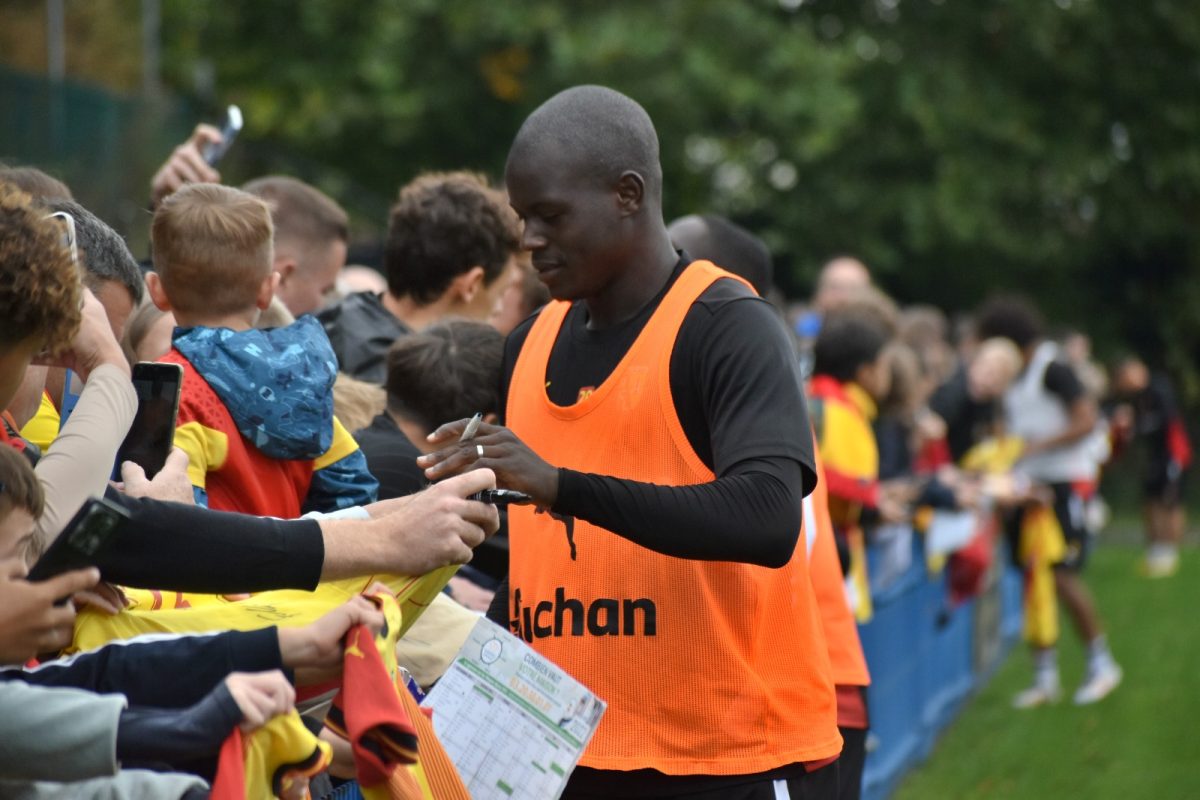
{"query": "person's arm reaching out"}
(436, 527)
(220, 552)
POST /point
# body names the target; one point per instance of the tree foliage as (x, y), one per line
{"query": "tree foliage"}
(958, 147)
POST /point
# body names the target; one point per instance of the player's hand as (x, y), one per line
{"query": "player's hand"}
(94, 343)
(171, 483)
(516, 466)
(314, 651)
(260, 696)
(30, 623)
(186, 164)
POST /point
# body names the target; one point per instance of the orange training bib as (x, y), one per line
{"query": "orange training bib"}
(708, 667)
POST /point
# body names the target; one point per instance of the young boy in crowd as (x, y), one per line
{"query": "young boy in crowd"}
(256, 412)
(849, 378)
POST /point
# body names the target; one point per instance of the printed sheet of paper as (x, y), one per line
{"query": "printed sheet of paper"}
(511, 721)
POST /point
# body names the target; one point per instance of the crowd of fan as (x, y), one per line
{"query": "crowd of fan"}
(997, 417)
(311, 388)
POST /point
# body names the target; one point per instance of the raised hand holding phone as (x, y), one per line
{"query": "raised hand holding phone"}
(214, 151)
(194, 161)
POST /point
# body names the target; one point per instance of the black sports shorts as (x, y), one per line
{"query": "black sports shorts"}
(1164, 483)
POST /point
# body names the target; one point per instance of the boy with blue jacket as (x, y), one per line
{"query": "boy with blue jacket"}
(256, 411)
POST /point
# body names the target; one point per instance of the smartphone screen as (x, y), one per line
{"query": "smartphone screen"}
(152, 434)
(88, 532)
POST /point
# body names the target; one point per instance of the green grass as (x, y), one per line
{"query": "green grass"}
(1142, 741)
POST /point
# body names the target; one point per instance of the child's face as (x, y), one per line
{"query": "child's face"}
(16, 534)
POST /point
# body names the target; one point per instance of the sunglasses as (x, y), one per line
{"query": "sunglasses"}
(68, 225)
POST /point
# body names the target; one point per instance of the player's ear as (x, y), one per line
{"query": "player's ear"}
(631, 192)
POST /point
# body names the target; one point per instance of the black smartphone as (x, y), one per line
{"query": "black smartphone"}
(89, 531)
(230, 128)
(502, 497)
(152, 433)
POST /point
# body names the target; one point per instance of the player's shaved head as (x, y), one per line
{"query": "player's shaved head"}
(597, 131)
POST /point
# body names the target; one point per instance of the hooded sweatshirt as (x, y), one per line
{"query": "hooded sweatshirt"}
(256, 420)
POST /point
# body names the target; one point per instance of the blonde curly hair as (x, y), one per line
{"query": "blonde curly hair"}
(40, 290)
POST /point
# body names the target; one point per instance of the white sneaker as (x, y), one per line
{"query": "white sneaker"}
(1099, 684)
(1161, 562)
(1042, 693)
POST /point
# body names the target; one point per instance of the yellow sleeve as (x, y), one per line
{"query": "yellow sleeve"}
(343, 445)
(43, 428)
(206, 449)
(848, 444)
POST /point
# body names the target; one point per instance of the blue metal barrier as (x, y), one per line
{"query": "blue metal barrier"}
(926, 658)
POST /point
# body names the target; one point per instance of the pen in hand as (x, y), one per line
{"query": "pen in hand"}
(472, 428)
